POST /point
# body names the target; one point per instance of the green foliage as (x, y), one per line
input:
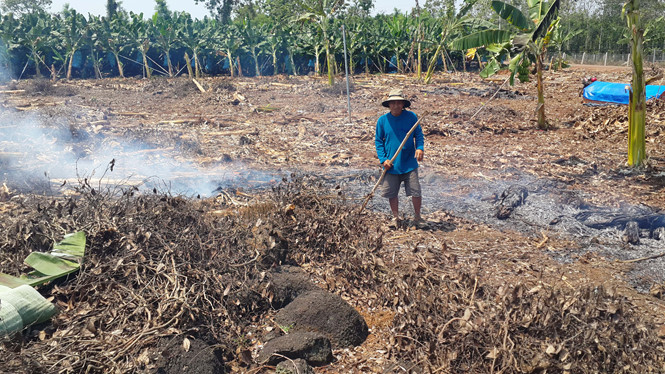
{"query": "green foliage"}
(24, 6)
(287, 35)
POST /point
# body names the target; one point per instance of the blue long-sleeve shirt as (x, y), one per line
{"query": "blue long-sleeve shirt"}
(390, 131)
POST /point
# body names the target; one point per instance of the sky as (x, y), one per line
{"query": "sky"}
(98, 7)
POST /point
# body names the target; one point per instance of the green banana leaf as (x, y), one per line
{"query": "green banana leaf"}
(480, 39)
(10, 281)
(491, 68)
(65, 258)
(512, 15)
(544, 24)
(22, 306)
(72, 245)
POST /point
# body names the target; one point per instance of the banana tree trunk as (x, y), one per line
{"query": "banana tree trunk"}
(168, 62)
(189, 65)
(540, 110)
(35, 57)
(230, 57)
(317, 60)
(432, 63)
(146, 68)
(239, 66)
(330, 63)
(197, 65)
(293, 64)
(399, 61)
(69, 65)
(95, 64)
(117, 60)
(275, 70)
(257, 71)
(637, 103)
(419, 67)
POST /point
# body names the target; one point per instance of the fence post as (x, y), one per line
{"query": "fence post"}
(605, 63)
(583, 53)
(628, 60)
(653, 60)
(346, 69)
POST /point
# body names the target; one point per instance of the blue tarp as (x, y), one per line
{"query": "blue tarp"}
(617, 92)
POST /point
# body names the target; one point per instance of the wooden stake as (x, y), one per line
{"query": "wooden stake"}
(198, 85)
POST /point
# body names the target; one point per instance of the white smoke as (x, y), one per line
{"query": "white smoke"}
(36, 149)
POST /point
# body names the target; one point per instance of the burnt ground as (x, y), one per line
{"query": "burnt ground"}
(228, 147)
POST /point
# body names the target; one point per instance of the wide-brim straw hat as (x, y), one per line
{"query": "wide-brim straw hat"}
(396, 95)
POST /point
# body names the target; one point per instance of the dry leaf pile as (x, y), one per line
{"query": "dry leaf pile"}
(159, 266)
(611, 122)
(467, 326)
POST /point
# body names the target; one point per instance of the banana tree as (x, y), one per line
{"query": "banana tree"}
(637, 101)
(359, 42)
(528, 46)
(70, 34)
(115, 41)
(253, 40)
(8, 27)
(275, 37)
(228, 41)
(196, 35)
(309, 43)
(166, 34)
(380, 43)
(560, 37)
(398, 29)
(138, 35)
(320, 12)
(290, 40)
(94, 34)
(450, 25)
(33, 33)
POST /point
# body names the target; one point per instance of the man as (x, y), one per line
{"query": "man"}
(391, 128)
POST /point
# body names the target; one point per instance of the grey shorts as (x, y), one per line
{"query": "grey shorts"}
(391, 183)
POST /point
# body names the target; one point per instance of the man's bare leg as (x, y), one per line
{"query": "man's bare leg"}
(394, 206)
(417, 202)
